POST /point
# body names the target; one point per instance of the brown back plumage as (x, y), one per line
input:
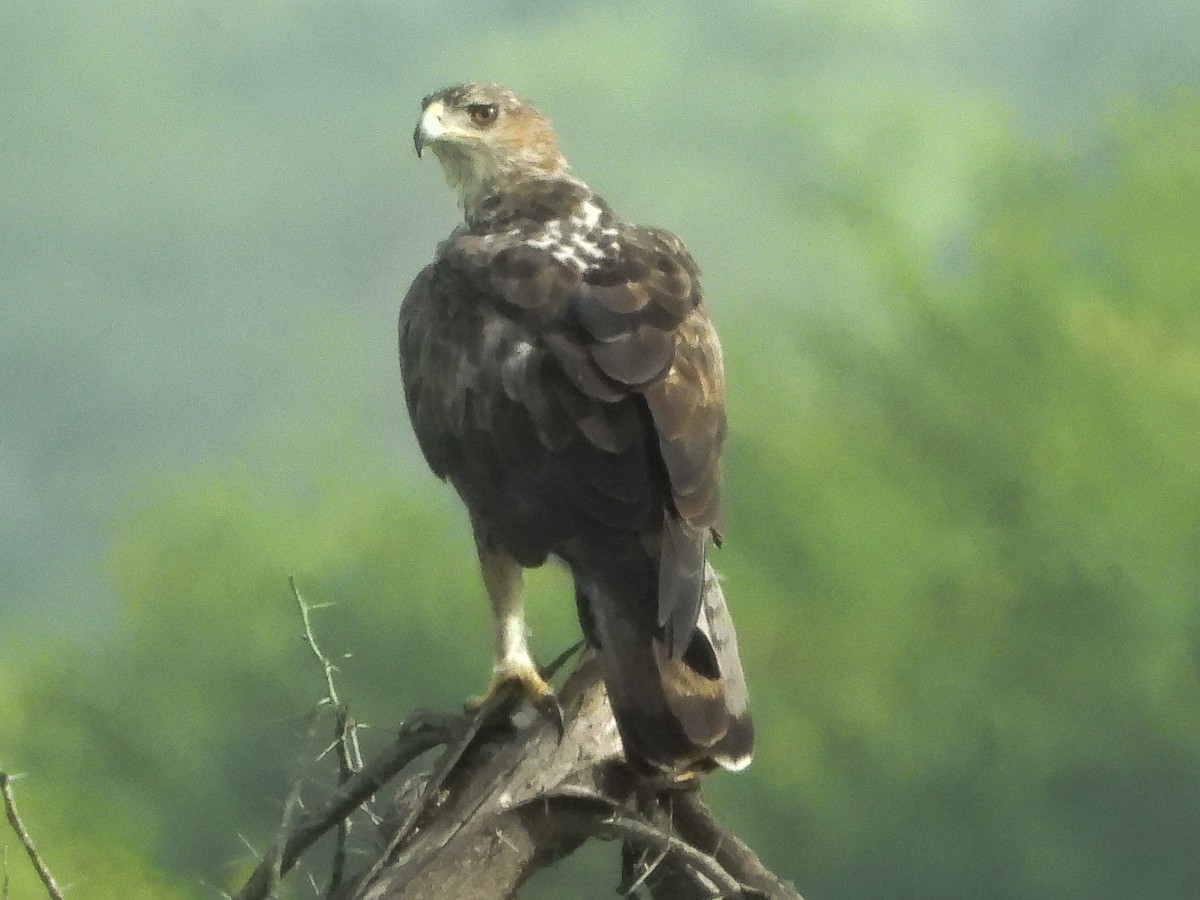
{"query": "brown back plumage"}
(562, 372)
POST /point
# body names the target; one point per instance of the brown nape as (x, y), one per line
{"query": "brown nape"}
(526, 146)
(541, 140)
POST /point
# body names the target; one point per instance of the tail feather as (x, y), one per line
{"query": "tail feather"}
(735, 748)
(675, 711)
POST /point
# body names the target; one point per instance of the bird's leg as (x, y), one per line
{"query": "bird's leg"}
(504, 581)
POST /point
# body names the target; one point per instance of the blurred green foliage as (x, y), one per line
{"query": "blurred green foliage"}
(963, 479)
(963, 557)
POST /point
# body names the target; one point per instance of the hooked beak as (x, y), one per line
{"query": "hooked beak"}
(429, 128)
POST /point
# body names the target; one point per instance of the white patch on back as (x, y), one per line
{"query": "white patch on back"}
(568, 256)
(542, 242)
(587, 217)
(584, 243)
(578, 241)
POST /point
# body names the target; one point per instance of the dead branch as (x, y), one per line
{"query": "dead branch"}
(503, 802)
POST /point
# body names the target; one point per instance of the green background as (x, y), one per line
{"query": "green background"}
(952, 248)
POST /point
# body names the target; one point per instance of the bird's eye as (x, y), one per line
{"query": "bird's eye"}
(483, 113)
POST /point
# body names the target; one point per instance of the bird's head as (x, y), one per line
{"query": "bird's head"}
(487, 139)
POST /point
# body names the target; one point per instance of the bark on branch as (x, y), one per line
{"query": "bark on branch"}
(503, 802)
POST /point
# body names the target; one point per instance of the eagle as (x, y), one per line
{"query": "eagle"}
(561, 371)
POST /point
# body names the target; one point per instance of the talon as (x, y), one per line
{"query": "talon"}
(525, 675)
(549, 707)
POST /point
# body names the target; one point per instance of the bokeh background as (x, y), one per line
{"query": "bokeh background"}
(953, 248)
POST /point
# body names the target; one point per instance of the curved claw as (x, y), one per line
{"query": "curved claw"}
(526, 677)
(549, 707)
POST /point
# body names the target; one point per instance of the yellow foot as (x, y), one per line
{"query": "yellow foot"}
(529, 681)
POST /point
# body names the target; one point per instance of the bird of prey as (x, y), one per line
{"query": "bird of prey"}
(562, 373)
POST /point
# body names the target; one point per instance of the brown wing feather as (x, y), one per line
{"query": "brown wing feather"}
(650, 332)
(688, 406)
(576, 402)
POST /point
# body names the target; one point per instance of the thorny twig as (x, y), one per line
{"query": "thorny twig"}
(420, 733)
(349, 752)
(356, 784)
